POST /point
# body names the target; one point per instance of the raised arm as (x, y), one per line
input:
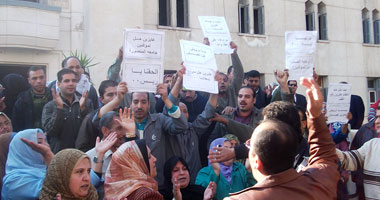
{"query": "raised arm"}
(122, 89)
(322, 148)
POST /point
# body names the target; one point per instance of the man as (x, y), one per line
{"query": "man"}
(62, 117)
(244, 114)
(157, 128)
(365, 159)
(27, 110)
(112, 126)
(188, 143)
(367, 132)
(194, 102)
(228, 90)
(83, 84)
(299, 99)
(109, 92)
(252, 79)
(273, 146)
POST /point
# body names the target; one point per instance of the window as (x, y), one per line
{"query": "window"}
(365, 22)
(373, 86)
(243, 16)
(258, 17)
(309, 12)
(182, 14)
(164, 12)
(322, 21)
(376, 26)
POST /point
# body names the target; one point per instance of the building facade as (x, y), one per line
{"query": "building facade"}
(40, 32)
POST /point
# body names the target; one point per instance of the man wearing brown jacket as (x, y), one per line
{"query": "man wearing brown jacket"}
(273, 167)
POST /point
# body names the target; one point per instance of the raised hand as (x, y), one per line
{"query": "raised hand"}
(233, 46)
(2, 104)
(176, 189)
(101, 147)
(127, 121)
(221, 154)
(82, 101)
(120, 56)
(162, 90)
(210, 191)
(57, 99)
(41, 147)
(314, 97)
(122, 89)
(206, 41)
(281, 77)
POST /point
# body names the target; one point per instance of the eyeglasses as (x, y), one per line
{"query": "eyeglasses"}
(248, 143)
(293, 85)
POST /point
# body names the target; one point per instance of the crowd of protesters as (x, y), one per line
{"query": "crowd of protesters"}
(63, 141)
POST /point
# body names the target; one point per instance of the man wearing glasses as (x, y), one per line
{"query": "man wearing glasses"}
(299, 99)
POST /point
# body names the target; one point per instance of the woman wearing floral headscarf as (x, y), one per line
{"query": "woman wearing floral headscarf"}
(68, 176)
(229, 176)
(131, 173)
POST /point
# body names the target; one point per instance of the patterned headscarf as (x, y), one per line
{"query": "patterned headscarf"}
(231, 137)
(58, 176)
(127, 172)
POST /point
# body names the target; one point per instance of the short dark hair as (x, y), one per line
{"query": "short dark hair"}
(36, 68)
(285, 112)
(276, 147)
(303, 111)
(104, 85)
(63, 72)
(64, 62)
(229, 70)
(247, 87)
(292, 80)
(252, 73)
(107, 119)
(147, 95)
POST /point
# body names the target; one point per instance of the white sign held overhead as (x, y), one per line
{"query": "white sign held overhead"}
(300, 47)
(216, 30)
(200, 63)
(143, 55)
(338, 102)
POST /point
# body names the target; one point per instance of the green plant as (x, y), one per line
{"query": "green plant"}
(85, 60)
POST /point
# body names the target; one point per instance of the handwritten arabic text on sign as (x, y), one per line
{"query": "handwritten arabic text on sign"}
(300, 47)
(143, 45)
(338, 102)
(142, 77)
(216, 30)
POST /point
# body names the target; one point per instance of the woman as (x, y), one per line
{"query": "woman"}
(25, 168)
(176, 174)
(5, 124)
(68, 177)
(229, 176)
(131, 173)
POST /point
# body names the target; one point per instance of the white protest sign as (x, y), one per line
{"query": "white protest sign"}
(216, 30)
(338, 102)
(300, 47)
(143, 54)
(200, 63)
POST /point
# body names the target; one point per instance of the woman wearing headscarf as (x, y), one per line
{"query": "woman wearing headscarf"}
(176, 173)
(131, 173)
(229, 176)
(25, 168)
(14, 84)
(5, 140)
(68, 176)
